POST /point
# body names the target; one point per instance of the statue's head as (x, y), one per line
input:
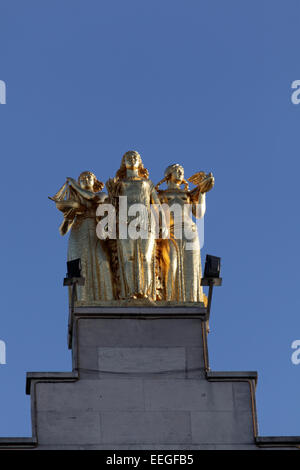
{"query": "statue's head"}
(174, 173)
(132, 160)
(88, 181)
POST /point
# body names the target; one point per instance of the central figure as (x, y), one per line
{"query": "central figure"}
(132, 192)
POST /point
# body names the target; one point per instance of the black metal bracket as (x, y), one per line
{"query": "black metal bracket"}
(211, 282)
(72, 282)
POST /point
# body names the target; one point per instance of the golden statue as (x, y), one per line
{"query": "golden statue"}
(179, 256)
(148, 248)
(135, 255)
(78, 202)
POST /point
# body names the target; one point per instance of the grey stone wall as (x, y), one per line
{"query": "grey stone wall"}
(142, 384)
(141, 380)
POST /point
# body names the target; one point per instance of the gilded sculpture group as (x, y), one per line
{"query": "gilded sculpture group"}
(150, 268)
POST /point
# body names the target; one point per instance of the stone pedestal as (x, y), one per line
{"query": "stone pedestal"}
(141, 380)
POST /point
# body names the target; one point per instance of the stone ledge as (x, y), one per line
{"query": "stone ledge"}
(50, 377)
(278, 441)
(139, 312)
(232, 375)
(17, 442)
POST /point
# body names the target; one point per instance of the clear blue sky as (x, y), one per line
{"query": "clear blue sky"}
(204, 84)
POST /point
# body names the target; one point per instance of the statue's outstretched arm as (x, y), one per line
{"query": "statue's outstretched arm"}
(102, 198)
(205, 182)
(198, 201)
